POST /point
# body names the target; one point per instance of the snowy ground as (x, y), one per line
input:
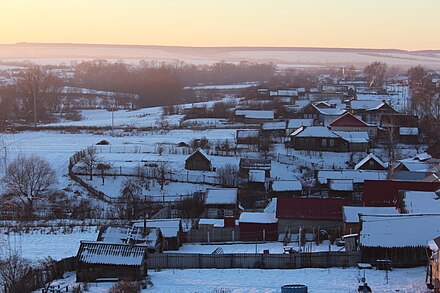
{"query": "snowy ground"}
(332, 280)
(273, 247)
(40, 244)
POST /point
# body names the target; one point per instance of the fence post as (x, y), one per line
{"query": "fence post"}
(233, 236)
(264, 235)
(208, 238)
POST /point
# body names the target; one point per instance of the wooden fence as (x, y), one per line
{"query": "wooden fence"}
(253, 261)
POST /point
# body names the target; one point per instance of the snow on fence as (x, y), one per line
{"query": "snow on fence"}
(253, 261)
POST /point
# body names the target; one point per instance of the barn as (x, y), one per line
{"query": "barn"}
(400, 238)
(220, 203)
(100, 260)
(171, 230)
(199, 161)
(258, 226)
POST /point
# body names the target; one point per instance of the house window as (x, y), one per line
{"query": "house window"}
(324, 142)
(331, 142)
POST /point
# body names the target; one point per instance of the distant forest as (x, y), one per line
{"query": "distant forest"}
(162, 83)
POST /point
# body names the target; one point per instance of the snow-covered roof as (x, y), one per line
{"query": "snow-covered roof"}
(359, 137)
(218, 223)
(340, 184)
(111, 253)
(358, 176)
(370, 157)
(226, 196)
(260, 218)
(332, 111)
(248, 133)
(296, 123)
(200, 151)
(279, 125)
(421, 202)
(364, 104)
(411, 230)
(255, 114)
(168, 227)
(257, 176)
(123, 234)
(350, 214)
(422, 157)
(415, 166)
(314, 131)
(286, 185)
(408, 131)
(272, 206)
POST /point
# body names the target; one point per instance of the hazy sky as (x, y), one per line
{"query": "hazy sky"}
(403, 24)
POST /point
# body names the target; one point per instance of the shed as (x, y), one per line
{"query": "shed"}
(247, 164)
(286, 187)
(220, 202)
(171, 230)
(258, 226)
(401, 238)
(340, 187)
(198, 160)
(110, 260)
(152, 239)
(371, 162)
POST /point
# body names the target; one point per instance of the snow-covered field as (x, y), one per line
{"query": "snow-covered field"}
(332, 280)
(40, 244)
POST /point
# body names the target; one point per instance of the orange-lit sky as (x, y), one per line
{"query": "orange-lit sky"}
(402, 24)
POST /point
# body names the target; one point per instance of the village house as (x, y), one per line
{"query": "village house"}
(403, 127)
(257, 180)
(317, 138)
(350, 123)
(371, 162)
(171, 230)
(371, 111)
(285, 188)
(110, 261)
(220, 203)
(350, 216)
(258, 226)
(419, 163)
(357, 141)
(320, 115)
(309, 213)
(400, 238)
(199, 161)
(247, 164)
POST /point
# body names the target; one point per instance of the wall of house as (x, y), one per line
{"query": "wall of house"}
(319, 144)
(254, 232)
(197, 162)
(88, 272)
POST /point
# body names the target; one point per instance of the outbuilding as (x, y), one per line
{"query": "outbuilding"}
(258, 226)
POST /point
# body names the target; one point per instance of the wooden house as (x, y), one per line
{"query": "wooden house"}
(247, 164)
(257, 180)
(199, 161)
(323, 115)
(274, 131)
(254, 116)
(294, 124)
(100, 260)
(171, 230)
(220, 203)
(357, 141)
(371, 162)
(258, 227)
(350, 216)
(317, 138)
(400, 238)
(285, 188)
(309, 213)
(373, 114)
(350, 123)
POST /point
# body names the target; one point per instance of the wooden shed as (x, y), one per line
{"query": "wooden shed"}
(199, 161)
(100, 260)
(258, 226)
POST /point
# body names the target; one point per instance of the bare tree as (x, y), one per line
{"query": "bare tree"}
(375, 73)
(13, 269)
(29, 179)
(90, 161)
(228, 175)
(163, 172)
(40, 92)
(266, 147)
(130, 200)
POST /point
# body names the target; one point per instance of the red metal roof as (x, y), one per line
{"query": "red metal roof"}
(348, 120)
(309, 208)
(383, 193)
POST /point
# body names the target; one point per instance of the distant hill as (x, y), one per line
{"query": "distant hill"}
(283, 56)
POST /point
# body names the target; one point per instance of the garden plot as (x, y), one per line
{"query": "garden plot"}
(331, 280)
(42, 243)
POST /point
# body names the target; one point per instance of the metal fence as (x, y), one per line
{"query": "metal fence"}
(251, 261)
